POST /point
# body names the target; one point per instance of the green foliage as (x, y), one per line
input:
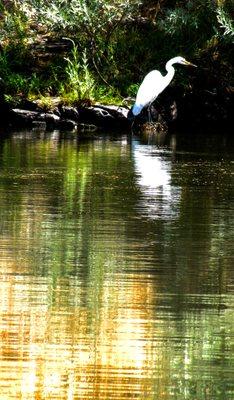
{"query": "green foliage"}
(107, 95)
(225, 22)
(197, 21)
(14, 54)
(92, 24)
(79, 83)
(14, 25)
(189, 25)
(115, 42)
(13, 81)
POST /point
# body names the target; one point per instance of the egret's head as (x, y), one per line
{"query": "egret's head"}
(181, 60)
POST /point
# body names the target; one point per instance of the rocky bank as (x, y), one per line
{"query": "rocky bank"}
(204, 109)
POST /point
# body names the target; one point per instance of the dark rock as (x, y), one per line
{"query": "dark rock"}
(70, 113)
(105, 116)
(67, 125)
(23, 118)
(52, 120)
(56, 111)
(27, 119)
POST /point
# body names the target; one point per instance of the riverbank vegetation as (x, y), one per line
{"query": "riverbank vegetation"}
(99, 50)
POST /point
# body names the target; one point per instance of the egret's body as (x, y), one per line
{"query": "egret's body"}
(154, 83)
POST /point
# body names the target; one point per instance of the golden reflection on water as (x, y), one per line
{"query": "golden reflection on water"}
(50, 350)
(54, 345)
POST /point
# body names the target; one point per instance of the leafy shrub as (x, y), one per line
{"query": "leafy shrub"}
(79, 83)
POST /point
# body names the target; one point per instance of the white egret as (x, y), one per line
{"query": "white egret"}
(154, 83)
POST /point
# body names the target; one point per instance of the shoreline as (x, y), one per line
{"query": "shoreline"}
(192, 111)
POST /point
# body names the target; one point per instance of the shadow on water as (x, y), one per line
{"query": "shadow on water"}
(116, 272)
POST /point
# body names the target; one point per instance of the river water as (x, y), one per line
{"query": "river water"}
(116, 268)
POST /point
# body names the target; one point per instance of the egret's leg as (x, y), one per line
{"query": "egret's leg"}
(149, 113)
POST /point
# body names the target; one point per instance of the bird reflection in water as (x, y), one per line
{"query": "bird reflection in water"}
(153, 169)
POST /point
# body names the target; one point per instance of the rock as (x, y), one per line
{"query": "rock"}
(67, 125)
(52, 120)
(28, 119)
(56, 111)
(105, 116)
(69, 113)
(67, 118)
(118, 111)
(23, 118)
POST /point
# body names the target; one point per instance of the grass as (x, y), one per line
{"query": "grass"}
(79, 84)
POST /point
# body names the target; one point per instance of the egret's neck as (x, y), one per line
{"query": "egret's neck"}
(170, 71)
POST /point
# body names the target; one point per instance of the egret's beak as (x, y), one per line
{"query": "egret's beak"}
(189, 63)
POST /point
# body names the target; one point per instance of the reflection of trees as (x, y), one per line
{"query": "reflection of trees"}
(201, 245)
(96, 294)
